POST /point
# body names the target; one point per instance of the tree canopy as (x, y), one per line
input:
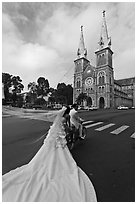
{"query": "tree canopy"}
(63, 94)
(13, 86)
(9, 81)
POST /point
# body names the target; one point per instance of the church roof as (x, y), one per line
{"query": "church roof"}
(125, 82)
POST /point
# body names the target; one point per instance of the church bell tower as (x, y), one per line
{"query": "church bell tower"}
(81, 63)
(104, 69)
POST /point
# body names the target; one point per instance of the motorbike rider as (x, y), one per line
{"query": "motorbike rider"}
(76, 121)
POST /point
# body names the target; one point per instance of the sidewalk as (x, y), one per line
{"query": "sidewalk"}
(45, 115)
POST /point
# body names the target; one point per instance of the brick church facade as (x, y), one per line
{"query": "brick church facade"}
(98, 82)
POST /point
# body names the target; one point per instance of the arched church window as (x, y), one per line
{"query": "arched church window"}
(103, 59)
(77, 84)
(99, 89)
(110, 80)
(103, 79)
(99, 60)
(103, 89)
(100, 80)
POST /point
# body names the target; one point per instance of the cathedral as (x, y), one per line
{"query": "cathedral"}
(98, 82)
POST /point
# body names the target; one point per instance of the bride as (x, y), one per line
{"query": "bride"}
(52, 175)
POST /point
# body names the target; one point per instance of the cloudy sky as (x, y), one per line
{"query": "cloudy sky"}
(41, 39)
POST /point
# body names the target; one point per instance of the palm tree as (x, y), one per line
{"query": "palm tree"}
(32, 86)
(43, 86)
(81, 97)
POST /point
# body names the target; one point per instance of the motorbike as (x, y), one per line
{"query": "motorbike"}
(73, 136)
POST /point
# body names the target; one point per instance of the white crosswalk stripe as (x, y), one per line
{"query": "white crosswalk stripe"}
(119, 130)
(86, 122)
(105, 127)
(94, 124)
(133, 135)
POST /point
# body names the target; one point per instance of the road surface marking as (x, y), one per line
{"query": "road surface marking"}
(133, 135)
(88, 126)
(105, 127)
(119, 130)
(86, 122)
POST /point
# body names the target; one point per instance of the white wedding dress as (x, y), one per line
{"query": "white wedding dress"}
(51, 176)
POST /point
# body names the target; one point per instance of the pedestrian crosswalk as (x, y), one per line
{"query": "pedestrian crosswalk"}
(115, 131)
(133, 135)
(119, 130)
(105, 127)
(87, 122)
(94, 124)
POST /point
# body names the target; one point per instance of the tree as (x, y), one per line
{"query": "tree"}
(17, 87)
(7, 83)
(81, 97)
(64, 93)
(43, 86)
(69, 94)
(52, 97)
(61, 93)
(32, 86)
(40, 101)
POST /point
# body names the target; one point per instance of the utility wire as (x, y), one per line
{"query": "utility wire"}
(69, 79)
(64, 75)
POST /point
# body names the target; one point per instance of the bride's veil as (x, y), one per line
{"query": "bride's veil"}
(57, 121)
(55, 116)
(59, 115)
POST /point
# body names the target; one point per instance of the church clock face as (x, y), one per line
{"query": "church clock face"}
(89, 81)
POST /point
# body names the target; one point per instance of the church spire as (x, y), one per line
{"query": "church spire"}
(82, 51)
(105, 41)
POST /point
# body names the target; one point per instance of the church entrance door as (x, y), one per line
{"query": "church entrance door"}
(89, 101)
(101, 102)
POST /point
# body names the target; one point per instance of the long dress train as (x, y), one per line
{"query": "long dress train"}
(51, 176)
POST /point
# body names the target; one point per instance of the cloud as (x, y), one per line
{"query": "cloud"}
(25, 59)
(41, 39)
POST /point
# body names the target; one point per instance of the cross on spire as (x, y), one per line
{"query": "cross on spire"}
(82, 51)
(103, 13)
(105, 41)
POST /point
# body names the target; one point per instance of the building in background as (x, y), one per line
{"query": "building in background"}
(98, 82)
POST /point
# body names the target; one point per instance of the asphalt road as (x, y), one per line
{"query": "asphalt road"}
(108, 159)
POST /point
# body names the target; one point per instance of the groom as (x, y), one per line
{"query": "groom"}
(75, 120)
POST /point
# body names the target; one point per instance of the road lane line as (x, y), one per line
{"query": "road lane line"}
(92, 125)
(133, 135)
(105, 127)
(86, 122)
(119, 130)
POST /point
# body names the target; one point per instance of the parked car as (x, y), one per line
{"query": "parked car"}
(81, 108)
(37, 107)
(57, 106)
(93, 108)
(86, 108)
(122, 107)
